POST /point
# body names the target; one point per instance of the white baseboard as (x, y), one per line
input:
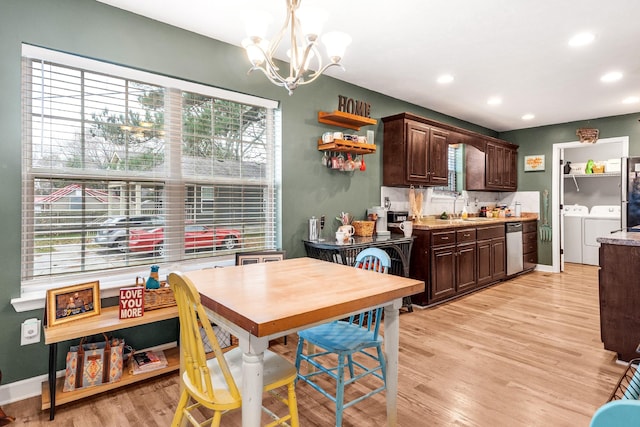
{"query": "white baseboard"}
(23, 389)
(544, 268)
(30, 387)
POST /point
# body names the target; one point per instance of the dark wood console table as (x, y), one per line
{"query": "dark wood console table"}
(396, 245)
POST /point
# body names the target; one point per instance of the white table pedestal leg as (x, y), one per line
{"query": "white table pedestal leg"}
(252, 379)
(391, 345)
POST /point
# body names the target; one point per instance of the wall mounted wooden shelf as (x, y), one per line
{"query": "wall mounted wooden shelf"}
(345, 120)
(347, 146)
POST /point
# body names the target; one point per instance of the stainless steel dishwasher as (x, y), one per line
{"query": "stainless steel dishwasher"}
(514, 247)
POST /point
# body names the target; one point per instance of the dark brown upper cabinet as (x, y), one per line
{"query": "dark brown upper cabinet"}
(415, 151)
(491, 165)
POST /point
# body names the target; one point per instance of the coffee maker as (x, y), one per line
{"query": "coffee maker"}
(381, 222)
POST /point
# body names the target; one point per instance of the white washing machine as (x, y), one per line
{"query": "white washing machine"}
(573, 216)
(601, 221)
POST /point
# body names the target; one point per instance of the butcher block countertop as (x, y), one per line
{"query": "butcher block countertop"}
(433, 223)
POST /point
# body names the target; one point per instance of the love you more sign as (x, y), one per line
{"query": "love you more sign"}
(131, 302)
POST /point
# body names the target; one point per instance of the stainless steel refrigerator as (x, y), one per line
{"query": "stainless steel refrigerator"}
(630, 187)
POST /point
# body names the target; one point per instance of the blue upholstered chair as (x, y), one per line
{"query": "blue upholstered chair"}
(355, 342)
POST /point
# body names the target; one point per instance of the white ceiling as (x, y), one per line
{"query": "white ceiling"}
(515, 49)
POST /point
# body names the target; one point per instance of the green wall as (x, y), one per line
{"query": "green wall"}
(540, 140)
(92, 29)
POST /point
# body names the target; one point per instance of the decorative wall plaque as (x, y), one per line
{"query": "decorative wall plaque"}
(588, 135)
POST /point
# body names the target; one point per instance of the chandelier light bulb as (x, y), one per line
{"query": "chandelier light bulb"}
(336, 43)
(256, 50)
(312, 21)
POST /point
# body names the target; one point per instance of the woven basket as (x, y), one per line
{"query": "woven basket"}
(157, 298)
(363, 228)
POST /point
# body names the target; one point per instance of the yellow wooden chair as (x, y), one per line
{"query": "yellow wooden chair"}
(213, 383)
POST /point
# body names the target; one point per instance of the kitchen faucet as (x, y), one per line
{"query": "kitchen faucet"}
(455, 199)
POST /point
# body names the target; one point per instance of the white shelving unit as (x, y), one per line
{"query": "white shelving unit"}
(591, 175)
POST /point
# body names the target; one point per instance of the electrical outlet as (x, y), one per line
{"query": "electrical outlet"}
(30, 332)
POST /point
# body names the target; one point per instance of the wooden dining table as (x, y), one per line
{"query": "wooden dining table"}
(260, 302)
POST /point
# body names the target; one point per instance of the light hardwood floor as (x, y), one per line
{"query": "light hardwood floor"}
(526, 352)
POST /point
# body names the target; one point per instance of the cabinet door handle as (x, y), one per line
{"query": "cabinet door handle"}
(445, 238)
(466, 235)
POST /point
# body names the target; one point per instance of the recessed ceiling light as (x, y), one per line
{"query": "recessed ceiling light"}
(631, 100)
(445, 78)
(494, 100)
(581, 39)
(528, 116)
(611, 77)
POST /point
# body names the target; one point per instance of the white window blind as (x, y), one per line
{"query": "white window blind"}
(453, 152)
(123, 168)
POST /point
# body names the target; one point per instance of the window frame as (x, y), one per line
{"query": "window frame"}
(125, 276)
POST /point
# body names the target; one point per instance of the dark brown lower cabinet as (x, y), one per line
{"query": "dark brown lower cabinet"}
(530, 245)
(484, 262)
(492, 265)
(467, 260)
(456, 261)
(453, 263)
(620, 299)
(443, 273)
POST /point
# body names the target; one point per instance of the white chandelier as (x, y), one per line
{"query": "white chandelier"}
(304, 31)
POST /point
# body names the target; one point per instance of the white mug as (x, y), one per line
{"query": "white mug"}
(347, 229)
(341, 237)
(407, 227)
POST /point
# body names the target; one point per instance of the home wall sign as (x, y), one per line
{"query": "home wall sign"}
(352, 106)
(534, 163)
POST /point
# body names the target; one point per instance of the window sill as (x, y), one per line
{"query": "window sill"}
(33, 297)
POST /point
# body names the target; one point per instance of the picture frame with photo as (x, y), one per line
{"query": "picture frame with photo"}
(71, 303)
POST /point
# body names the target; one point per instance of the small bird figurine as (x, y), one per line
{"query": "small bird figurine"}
(153, 282)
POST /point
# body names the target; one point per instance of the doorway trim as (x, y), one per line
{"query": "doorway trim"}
(556, 175)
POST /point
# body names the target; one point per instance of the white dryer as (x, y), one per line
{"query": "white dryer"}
(573, 216)
(601, 221)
